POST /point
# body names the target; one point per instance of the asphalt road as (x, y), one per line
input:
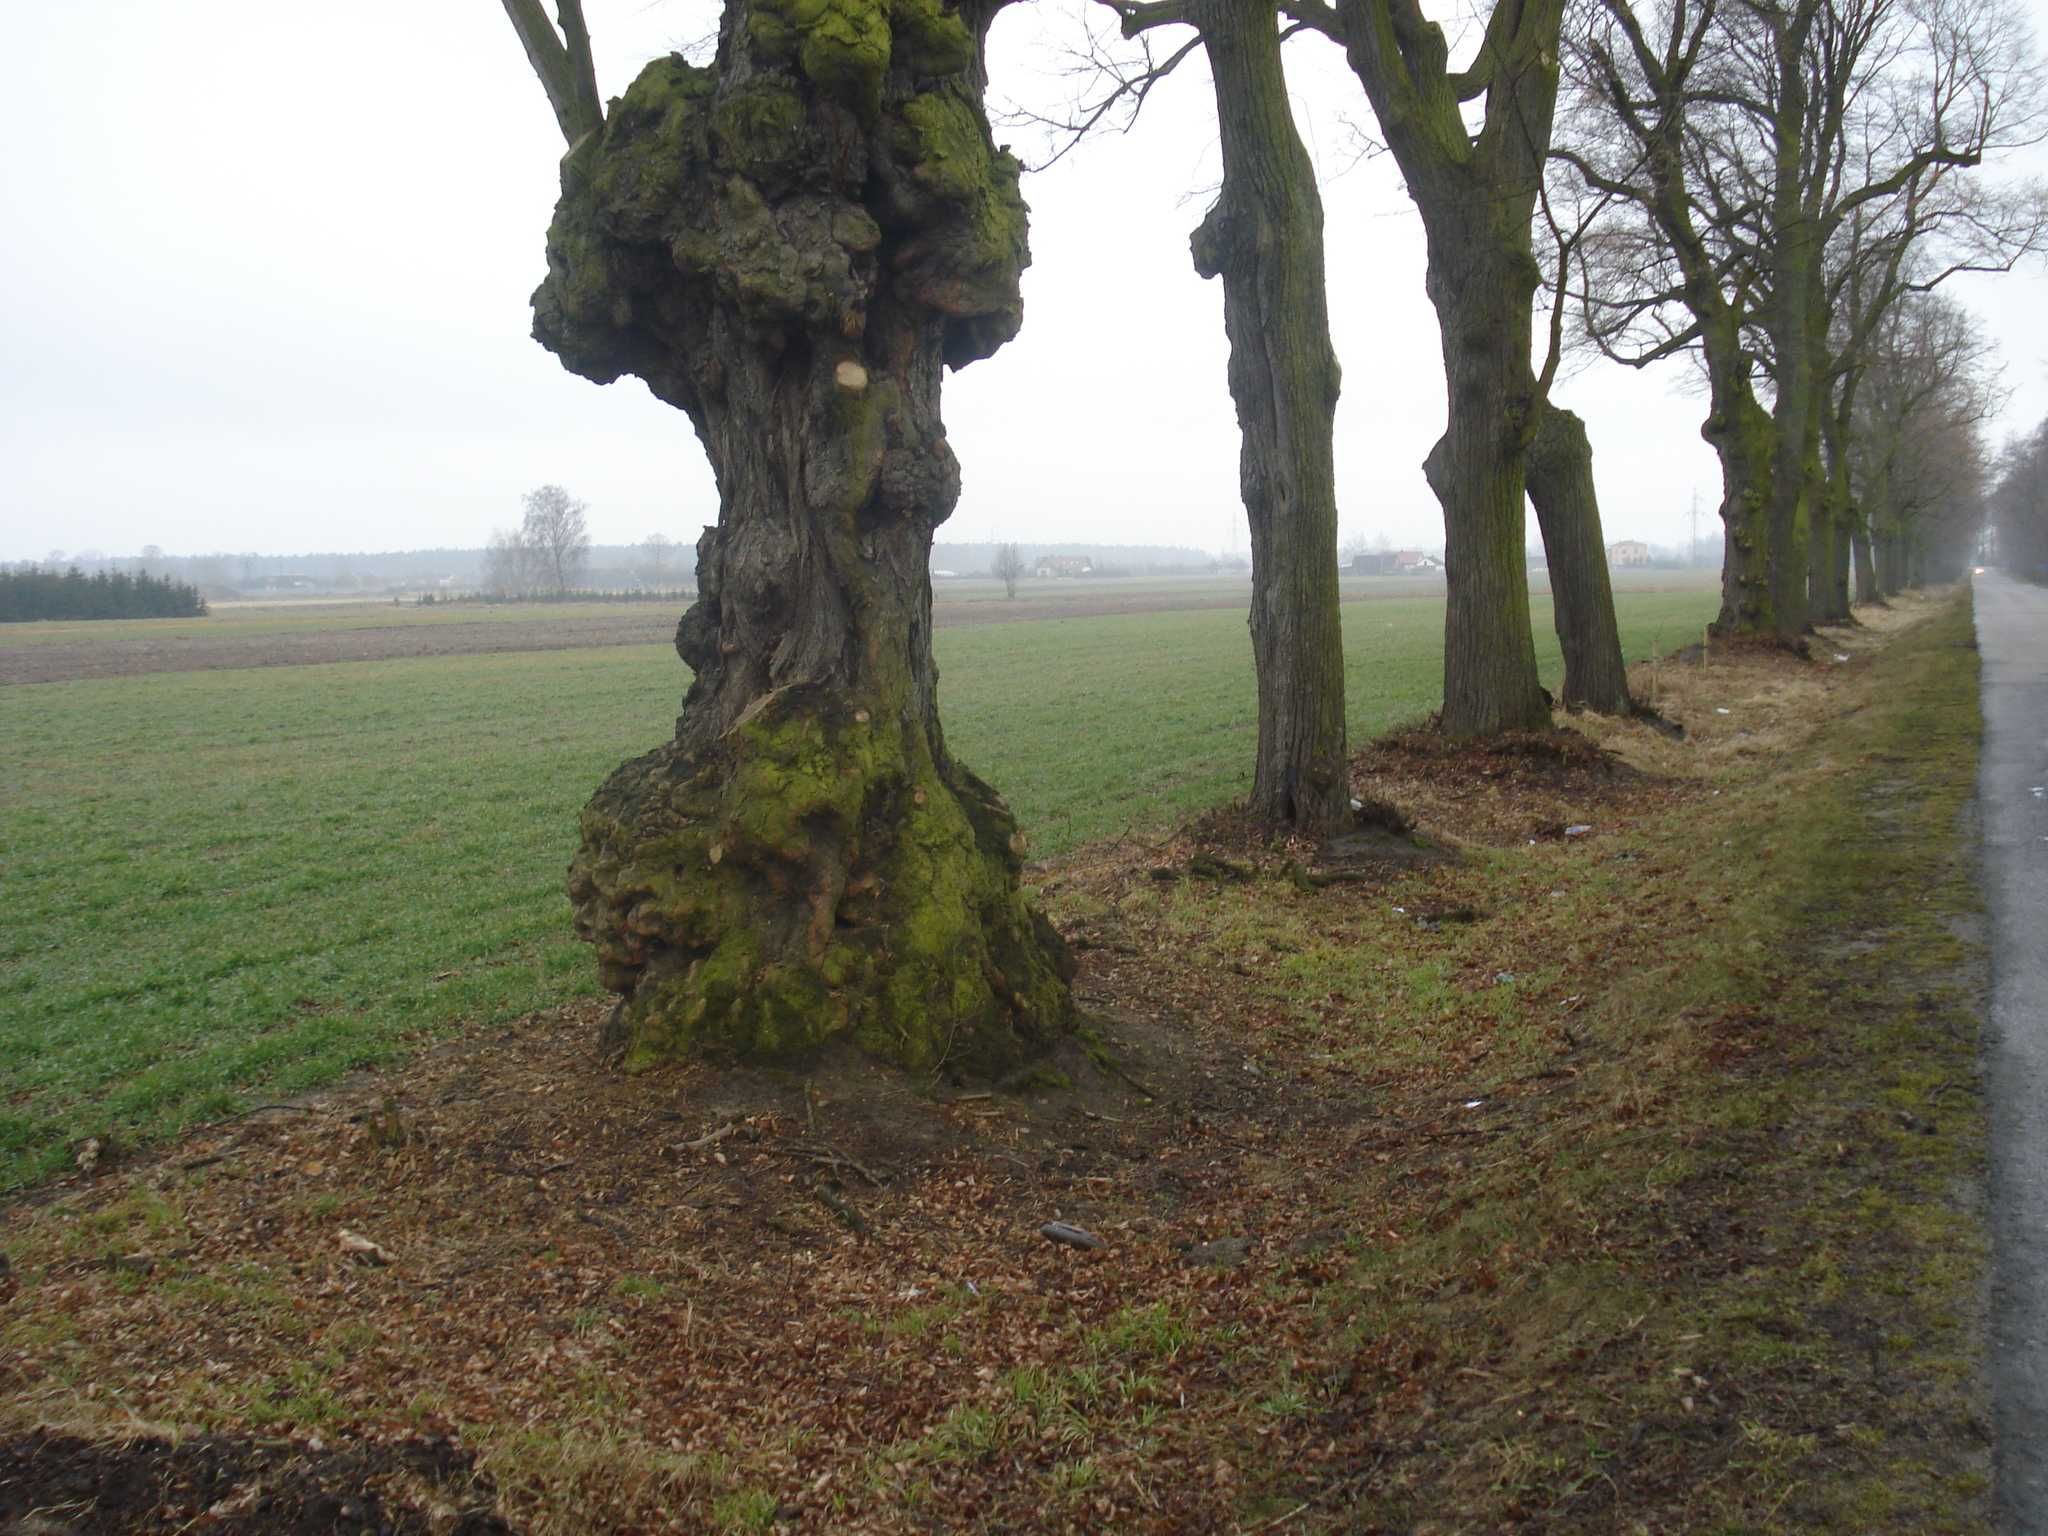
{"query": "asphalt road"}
(2012, 787)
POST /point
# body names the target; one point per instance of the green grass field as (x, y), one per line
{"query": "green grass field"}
(233, 885)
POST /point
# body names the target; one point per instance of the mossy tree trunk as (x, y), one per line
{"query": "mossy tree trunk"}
(1476, 193)
(1582, 596)
(790, 246)
(1264, 239)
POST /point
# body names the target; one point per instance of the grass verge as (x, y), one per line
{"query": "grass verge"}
(1718, 1267)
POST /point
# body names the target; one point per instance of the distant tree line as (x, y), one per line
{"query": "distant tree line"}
(2020, 505)
(568, 595)
(35, 592)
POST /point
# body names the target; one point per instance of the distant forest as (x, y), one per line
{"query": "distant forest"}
(33, 592)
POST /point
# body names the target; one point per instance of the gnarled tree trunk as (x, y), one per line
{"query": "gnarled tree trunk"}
(1739, 430)
(789, 246)
(1264, 238)
(1581, 595)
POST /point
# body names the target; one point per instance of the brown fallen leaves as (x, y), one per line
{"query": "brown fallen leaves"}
(699, 1300)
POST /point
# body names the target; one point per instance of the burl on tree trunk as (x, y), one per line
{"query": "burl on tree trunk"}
(789, 246)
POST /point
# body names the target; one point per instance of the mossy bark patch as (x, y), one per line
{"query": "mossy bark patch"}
(811, 878)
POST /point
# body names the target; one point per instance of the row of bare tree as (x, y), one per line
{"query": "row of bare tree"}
(1772, 188)
(791, 243)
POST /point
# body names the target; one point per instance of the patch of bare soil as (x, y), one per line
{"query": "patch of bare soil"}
(120, 652)
(1521, 787)
(61, 1485)
(119, 655)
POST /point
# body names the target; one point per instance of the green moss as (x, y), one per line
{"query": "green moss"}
(653, 136)
(827, 883)
(842, 46)
(948, 146)
(1039, 1079)
(930, 39)
(758, 130)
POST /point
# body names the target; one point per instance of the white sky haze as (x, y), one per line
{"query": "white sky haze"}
(266, 268)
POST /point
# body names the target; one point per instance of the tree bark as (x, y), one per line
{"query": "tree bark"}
(1582, 597)
(1264, 238)
(789, 246)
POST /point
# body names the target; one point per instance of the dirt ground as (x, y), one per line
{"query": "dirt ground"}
(503, 1287)
(122, 652)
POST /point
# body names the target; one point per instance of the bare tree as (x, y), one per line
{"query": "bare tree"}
(659, 547)
(1008, 568)
(2019, 503)
(1737, 142)
(789, 246)
(1930, 384)
(510, 569)
(556, 529)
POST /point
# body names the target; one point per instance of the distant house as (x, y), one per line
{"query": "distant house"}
(1371, 563)
(1628, 552)
(1413, 562)
(1064, 565)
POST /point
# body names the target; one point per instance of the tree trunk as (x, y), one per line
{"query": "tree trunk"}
(1838, 567)
(1477, 195)
(1889, 548)
(1820, 555)
(1828, 578)
(1490, 682)
(1264, 238)
(1582, 598)
(1740, 432)
(1789, 519)
(789, 246)
(1794, 262)
(1478, 470)
(1867, 590)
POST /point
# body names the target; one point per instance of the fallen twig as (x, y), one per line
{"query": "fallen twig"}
(830, 1157)
(712, 1139)
(850, 1218)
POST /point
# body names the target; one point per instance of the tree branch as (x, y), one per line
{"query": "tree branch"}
(565, 71)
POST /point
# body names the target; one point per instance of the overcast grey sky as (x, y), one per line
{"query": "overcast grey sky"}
(266, 271)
